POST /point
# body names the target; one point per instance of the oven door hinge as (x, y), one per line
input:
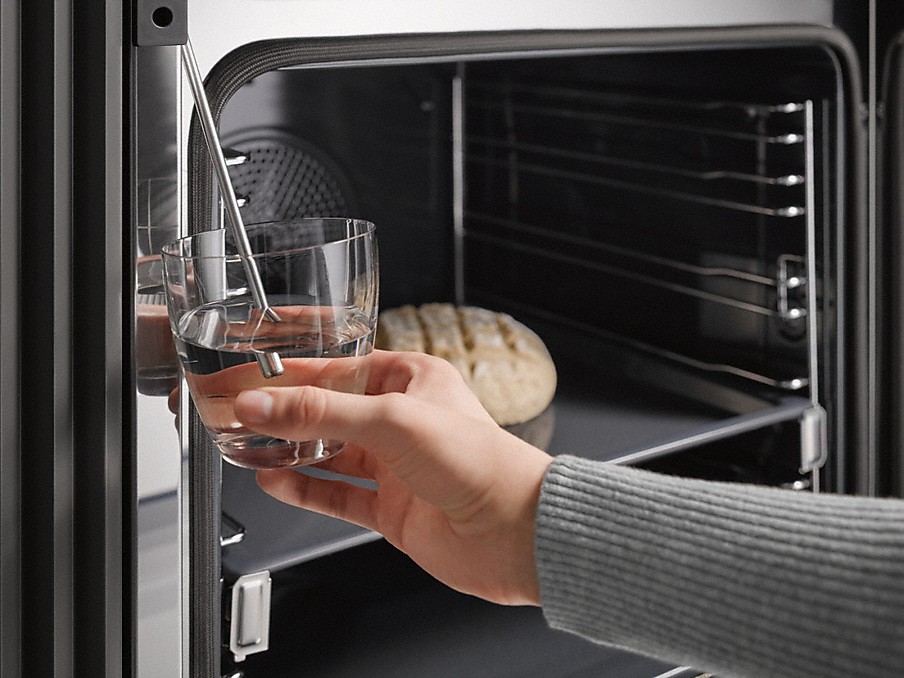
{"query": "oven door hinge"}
(249, 624)
(159, 22)
(814, 443)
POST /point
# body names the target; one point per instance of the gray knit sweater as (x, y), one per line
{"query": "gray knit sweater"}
(739, 580)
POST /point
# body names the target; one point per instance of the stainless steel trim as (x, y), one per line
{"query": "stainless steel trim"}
(458, 182)
(872, 247)
(812, 306)
(814, 427)
(160, 647)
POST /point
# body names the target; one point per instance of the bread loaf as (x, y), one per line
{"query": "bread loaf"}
(506, 364)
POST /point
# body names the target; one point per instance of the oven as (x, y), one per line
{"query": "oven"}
(693, 204)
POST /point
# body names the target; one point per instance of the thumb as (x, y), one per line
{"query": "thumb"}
(308, 412)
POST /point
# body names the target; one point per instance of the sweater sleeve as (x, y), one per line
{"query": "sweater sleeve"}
(743, 581)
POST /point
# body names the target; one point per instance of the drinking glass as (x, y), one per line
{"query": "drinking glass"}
(320, 277)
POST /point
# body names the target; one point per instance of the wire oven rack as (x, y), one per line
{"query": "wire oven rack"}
(687, 229)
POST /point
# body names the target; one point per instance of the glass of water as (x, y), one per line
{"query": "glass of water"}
(320, 277)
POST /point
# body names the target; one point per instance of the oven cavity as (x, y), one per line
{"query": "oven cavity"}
(667, 223)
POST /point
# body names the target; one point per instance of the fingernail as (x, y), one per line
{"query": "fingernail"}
(257, 406)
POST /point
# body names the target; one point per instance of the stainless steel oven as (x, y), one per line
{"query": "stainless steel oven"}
(694, 205)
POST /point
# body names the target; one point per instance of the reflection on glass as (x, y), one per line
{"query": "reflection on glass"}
(320, 277)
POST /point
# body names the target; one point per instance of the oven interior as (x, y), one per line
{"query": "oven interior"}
(667, 221)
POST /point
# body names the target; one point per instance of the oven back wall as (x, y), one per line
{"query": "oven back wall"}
(368, 143)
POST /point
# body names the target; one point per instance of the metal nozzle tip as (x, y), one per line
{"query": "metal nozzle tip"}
(271, 315)
(270, 364)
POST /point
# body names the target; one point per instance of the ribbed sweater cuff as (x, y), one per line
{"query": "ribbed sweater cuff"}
(735, 579)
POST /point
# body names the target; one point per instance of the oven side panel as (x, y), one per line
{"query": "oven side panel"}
(65, 434)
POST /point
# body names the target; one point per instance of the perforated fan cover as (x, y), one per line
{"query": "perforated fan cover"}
(285, 178)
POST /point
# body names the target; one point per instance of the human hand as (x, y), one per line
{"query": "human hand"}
(456, 492)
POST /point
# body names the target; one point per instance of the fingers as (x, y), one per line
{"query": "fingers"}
(391, 371)
(304, 412)
(400, 371)
(330, 497)
(172, 401)
(433, 379)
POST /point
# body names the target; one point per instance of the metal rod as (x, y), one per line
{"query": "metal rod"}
(589, 243)
(458, 183)
(622, 98)
(787, 384)
(269, 362)
(598, 159)
(811, 258)
(785, 211)
(783, 139)
(629, 275)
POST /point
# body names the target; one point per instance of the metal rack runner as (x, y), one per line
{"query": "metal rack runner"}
(782, 284)
(621, 184)
(703, 175)
(519, 108)
(781, 139)
(524, 310)
(635, 100)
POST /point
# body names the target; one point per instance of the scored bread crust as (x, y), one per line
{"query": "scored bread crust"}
(505, 363)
